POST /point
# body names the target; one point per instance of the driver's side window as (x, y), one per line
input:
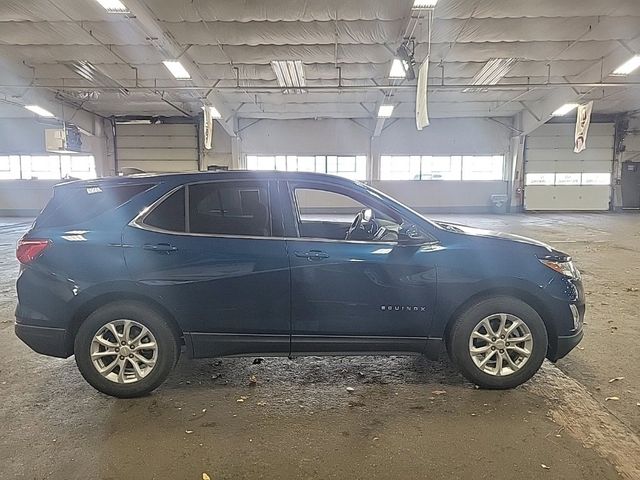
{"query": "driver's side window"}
(328, 214)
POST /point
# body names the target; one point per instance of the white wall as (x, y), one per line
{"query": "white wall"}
(442, 137)
(455, 136)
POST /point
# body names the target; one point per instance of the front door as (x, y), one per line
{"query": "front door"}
(209, 252)
(355, 294)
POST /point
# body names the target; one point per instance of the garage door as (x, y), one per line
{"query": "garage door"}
(558, 179)
(157, 148)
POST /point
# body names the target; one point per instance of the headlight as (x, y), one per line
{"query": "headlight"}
(564, 268)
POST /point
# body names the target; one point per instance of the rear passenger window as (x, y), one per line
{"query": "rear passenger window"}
(229, 208)
(169, 215)
(217, 208)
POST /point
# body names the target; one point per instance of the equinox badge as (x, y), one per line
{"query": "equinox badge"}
(403, 308)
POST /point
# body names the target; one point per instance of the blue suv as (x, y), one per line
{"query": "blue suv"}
(126, 273)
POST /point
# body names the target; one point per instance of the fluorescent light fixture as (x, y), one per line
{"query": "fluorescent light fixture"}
(492, 72)
(289, 74)
(213, 111)
(398, 69)
(385, 111)
(113, 6)
(420, 4)
(39, 111)
(627, 67)
(564, 109)
(176, 69)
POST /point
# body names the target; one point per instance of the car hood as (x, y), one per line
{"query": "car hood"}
(541, 247)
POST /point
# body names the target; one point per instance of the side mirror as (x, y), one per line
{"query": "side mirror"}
(411, 235)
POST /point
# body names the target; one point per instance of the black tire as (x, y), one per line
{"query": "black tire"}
(463, 326)
(168, 348)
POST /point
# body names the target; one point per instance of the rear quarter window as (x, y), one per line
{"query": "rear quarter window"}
(74, 205)
(169, 214)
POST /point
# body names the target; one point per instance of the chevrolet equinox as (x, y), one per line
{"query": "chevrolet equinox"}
(126, 273)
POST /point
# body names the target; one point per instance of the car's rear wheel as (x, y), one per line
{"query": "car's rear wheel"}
(125, 349)
(498, 343)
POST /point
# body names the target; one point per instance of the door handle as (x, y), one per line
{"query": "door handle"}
(160, 247)
(312, 254)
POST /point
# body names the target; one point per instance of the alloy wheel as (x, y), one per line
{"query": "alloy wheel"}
(500, 344)
(124, 351)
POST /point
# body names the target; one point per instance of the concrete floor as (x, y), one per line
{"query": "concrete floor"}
(299, 421)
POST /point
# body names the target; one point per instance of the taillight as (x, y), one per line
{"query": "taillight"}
(29, 250)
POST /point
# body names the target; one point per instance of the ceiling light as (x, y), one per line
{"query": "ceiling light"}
(398, 69)
(91, 73)
(176, 69)
(113, 6)
(564, 109)
(39, 111)
(492, 72)
(627, 67)
(385, 111)
(420, 4)
(289, 74)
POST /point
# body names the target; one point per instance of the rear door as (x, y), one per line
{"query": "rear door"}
(214, 253)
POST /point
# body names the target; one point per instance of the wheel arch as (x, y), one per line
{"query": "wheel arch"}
(530, 299)
(91, 305)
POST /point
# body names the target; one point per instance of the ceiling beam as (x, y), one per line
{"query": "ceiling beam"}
(146, 21)
(15, 72)
(539, 112)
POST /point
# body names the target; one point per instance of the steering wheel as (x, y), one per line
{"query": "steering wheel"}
(355, 225)
(370, 229)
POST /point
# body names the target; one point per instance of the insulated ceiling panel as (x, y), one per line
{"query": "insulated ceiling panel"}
(347, 44)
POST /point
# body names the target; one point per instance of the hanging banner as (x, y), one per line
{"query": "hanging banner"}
(422, 116)
(582, 126)
(207, 127)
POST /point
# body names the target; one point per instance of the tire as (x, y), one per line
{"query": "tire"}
(514, 371)
(96, 337)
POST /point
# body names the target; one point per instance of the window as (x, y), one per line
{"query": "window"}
(314, 205)
(440, 168)
(596, 179)
(483, 168)
(568, 178)
(47, 167)
(353, 167)
(72, 205)
(563, 179)
(540, 179)
(454, 167)
(328, 214)
(216, 208)
(9, 167)
(229, 208)
(169, 215)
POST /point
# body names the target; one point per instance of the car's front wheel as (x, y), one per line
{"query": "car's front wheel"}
(125, 349)
(498, 343)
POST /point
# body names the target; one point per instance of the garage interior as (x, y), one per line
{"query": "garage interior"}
(97, 88)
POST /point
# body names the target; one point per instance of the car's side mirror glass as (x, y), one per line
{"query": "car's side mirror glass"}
(411, 235)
